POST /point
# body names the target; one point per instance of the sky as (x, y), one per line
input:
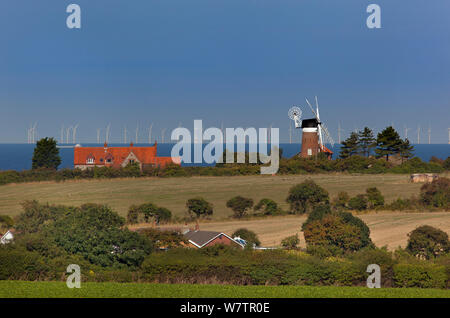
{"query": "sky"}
(240, 62)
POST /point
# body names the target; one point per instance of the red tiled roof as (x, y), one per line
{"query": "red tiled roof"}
(145, 155)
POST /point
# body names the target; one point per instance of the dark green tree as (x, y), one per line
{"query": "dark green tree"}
(388, 143)
(304, 197)
(239, 205)
(46, 154)
(350, 146)
(199, 206)
(374, 197)
(366, 141)
(406, 150)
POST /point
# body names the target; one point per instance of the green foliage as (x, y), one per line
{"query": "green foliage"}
(436, 193)
(427, 242)
(305, 196)
(406, 150)
(350, 146)
(333, 233)
(36, 215)
(6, 222)
(446, 164)
(268, 207)
(290, 242)
(366, 141)
(341, 201)
(388, 143)
(374, 198)
(46, 154)
(420, 275)
(200, 207)
(164, 239)
(239, 205)
(146, 212)
(359, 202)
(248, 236)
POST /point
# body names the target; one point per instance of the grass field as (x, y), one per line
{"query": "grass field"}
(172, 193)
(20, 289)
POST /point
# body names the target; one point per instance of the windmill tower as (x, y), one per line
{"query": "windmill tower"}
(314, 132)
(339, 132)
(150, 133)
(449, 136)
(406, 132)
(418, 135)
(429, 134)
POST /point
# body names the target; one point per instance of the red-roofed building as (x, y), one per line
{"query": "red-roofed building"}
(117, 157)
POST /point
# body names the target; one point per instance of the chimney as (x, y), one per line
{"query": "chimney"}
(105, 144)
(131, 144)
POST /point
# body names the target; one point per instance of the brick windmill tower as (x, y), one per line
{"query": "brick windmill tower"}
(313, 132)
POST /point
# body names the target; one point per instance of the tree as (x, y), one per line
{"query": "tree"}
(341, 201)
(446, 164)
(358, 203)
(164, 239)
(388, 143)
(249, 236)
(305, 196)
(199, 206)
(427, 242)
(239, 205)
(366, 141)
(335, 232)
(406, 150)
(290, 242)
(349, 146)
(46, 154)
(436, 193)
(374, 197)
(268, 206)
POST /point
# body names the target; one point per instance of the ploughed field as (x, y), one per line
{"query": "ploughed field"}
(172, 193)
(21, 289)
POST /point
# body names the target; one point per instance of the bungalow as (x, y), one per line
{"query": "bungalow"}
(200, 239)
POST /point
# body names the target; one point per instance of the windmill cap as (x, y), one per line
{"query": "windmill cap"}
(310, 123)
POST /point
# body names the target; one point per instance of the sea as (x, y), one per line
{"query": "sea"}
(18, 156)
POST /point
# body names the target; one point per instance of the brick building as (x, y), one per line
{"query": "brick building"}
(117, 157)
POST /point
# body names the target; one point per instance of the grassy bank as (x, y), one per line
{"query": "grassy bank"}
(23, 289)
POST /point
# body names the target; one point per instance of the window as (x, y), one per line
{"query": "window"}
(90, 160)
(309, 152)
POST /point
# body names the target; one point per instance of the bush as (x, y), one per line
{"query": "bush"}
(268, 207)
(290, 242)
(436, 193)
(248, 236)
(6, 222)
(374, 197)
(147, 211)
(239, 205)
(164, 239)
(446, 164)
(305, 196)
(427, 242)
(341, 201)
(420, 275)
(358, 203)
(200, 207)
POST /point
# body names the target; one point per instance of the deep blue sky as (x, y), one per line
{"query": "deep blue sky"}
(238, 61)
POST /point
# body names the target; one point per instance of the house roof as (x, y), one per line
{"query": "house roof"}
(201, 238)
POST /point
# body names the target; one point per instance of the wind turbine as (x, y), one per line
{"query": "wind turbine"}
(429, 134)
(137, 133)
(150, 133)
(74, 133)
(62, 134)
(108, 128)
(418, 135)
(163, 132)
(98, 135)
(68, 129)
(339, 132)
(406, 132)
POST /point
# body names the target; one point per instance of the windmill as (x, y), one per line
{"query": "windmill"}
(98, 135)
(314, 132)
(108, 128)
(339, 132)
